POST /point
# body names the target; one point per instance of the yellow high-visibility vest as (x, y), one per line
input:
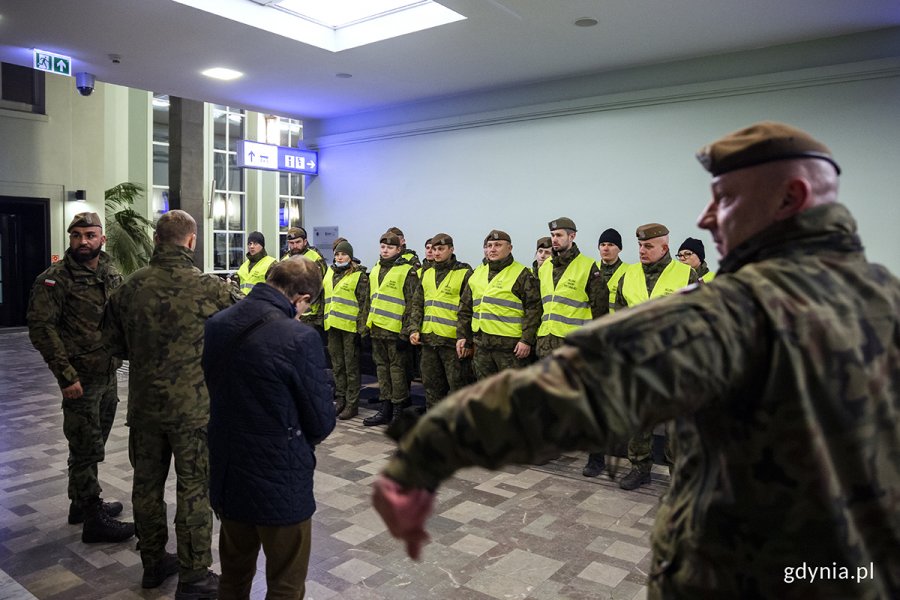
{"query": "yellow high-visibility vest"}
(613, 283)
(566, 305)
(387, 300)
(250, 276)
(675, 276)
(495, 309)
(710, 275)
(442, 302)
(341, 305)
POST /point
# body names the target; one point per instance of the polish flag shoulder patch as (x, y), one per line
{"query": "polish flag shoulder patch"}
(49, 282)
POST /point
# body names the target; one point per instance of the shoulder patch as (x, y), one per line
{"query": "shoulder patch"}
(50, 282)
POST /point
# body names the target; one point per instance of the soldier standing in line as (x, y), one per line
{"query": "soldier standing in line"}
(156, 320)
(64, 316)
(612, 268)
(433, 322)
(298, 245)
(254, 269)
(500, 310)
(787, 365)
(655, 276)
(346, 298)
(573, 291)
(543, 251)
(693, 254)
(407, 255)
(392, 284)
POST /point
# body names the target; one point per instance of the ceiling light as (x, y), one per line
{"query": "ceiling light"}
(222, 73)
(586, 22)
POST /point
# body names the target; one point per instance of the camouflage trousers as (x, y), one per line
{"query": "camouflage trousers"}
(87, 422)
(547, 344)
(343, 347)
(443, 372)
(487, 362)
(391, 366)
(640, 450)
(151, 454)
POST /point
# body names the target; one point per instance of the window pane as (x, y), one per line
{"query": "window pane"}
(235, 211)
(160, 118)
(283, 214)
(282, 243)
(220, 126)
(235, 175)
(236, 251)
(296, 184)
(284, 185)
(160, 165)
(219, 252)
(219, 161)
(235, 130)
(219, 211)
(295, 213)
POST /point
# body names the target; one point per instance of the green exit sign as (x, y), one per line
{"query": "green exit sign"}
(52, 62)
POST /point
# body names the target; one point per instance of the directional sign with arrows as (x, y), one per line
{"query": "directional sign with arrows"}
(52, 62)
(256, 155)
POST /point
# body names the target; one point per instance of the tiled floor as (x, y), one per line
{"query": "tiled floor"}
(539, 532)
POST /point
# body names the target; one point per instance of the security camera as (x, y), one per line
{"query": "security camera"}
(84, 82)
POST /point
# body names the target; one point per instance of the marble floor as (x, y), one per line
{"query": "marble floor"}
(524, 532)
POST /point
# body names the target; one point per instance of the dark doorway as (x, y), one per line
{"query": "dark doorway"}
(24, 253)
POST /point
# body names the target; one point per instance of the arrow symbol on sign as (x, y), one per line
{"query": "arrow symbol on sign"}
(311, 164)
(252, 155)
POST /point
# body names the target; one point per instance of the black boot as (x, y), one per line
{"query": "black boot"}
(204, 589)
(339, 405)
(595, 465)
(383, 416)
(155, 575)
(399, 408)
(99, 527)
(634, 479)
(76, 514)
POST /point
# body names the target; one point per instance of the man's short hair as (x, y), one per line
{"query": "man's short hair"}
(174, 226)
(297, 275)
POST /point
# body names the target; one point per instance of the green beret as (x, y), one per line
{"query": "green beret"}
(396, 231)
(544, 242)
(562, 223)
(85, 219)
(390, 239)
(651, 230)
(760, 143)
(497, 235)
(296, 233)
(441, 239)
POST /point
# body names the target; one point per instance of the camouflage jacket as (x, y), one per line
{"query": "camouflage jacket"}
(417, 312)
(155, 320)
(596, 290)
(409, 257)
(651, 274)
(787, 365)
(64, 316)
(525, 288)
(409, 289)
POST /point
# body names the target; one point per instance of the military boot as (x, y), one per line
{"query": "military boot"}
(595, 465)
(99, 527)
(383, 416)
(206, 588)
(76, 513)
(155, 575)
(339, 405)
(399, 408)
(349, 411)
(634, 479)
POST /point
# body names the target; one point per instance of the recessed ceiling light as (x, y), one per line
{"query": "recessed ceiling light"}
(586, 22)
(222, 73)
(343, 75)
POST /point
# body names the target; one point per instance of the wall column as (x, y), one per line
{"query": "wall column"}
(186, 165)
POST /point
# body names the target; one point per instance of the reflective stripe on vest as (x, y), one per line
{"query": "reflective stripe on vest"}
(495, 309)
(634, 287)
(387, 301)
(341, 306)
(250, 276)
(566, 305)
(442, 302)
(613, 283)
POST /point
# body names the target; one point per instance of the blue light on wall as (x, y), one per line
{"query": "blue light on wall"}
(282, 217)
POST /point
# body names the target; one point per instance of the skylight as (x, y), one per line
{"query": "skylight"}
(333, 25)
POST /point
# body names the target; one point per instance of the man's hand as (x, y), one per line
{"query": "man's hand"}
(404, 512)
(73, 392)
(522, 350)
(461, 348)
(414, 338)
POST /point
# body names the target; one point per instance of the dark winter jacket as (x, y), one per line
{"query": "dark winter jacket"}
(270, 404)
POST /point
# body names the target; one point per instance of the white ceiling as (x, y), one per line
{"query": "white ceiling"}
(164, 45)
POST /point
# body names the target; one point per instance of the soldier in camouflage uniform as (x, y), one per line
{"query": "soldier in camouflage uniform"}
(543, 251)
(407, 255)
(564, 308)
(299, 246)
(64, 315)
(433, 322)
(503, 297)
(655, 276)
(155, 320)
(392, 284)
(693, 254)
(786, 366)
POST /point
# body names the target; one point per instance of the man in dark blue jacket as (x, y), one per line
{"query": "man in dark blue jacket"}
(270, 404)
